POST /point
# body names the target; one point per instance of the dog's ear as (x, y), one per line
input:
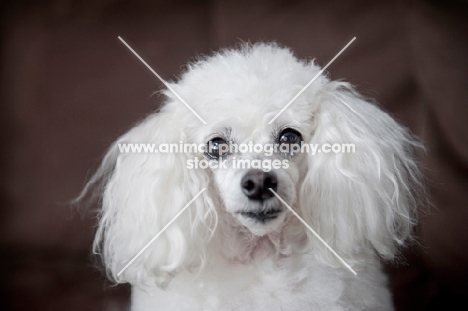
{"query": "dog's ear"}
(362, 202)
(141, 193)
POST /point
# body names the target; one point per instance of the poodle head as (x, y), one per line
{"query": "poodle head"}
(361, 202)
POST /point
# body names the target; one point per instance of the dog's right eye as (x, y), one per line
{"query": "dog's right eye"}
(216, 148)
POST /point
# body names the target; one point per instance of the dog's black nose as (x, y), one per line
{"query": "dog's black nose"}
(255, 184)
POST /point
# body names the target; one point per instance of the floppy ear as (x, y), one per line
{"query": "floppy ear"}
(362, 202)
(142, 192)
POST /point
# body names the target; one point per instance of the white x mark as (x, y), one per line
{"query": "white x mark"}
(159, 233)
(311, 81)
(315, 233)
(162, 80)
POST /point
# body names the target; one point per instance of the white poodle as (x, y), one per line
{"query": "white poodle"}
(238, 246)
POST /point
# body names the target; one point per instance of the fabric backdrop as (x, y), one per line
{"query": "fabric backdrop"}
(69, 88)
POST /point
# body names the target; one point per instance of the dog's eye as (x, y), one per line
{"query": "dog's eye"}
(216, 148)
(290, 136)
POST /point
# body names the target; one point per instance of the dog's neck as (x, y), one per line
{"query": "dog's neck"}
(245, 247)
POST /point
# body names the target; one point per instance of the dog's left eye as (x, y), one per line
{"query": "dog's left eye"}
(216, 148)
(290, 136)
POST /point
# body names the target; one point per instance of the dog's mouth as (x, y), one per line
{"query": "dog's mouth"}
(262, 216)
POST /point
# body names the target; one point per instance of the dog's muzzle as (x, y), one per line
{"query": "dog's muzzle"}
(256, 186)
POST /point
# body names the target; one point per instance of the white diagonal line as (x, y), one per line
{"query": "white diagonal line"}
(160, 232)
(311, 81)
(315, 233)
(162, 80)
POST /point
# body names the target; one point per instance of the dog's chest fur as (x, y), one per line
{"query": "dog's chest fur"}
(286, 284)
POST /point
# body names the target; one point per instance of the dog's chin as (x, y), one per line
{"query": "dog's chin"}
(271, 222)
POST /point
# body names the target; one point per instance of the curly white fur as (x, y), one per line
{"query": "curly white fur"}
(211, 258)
